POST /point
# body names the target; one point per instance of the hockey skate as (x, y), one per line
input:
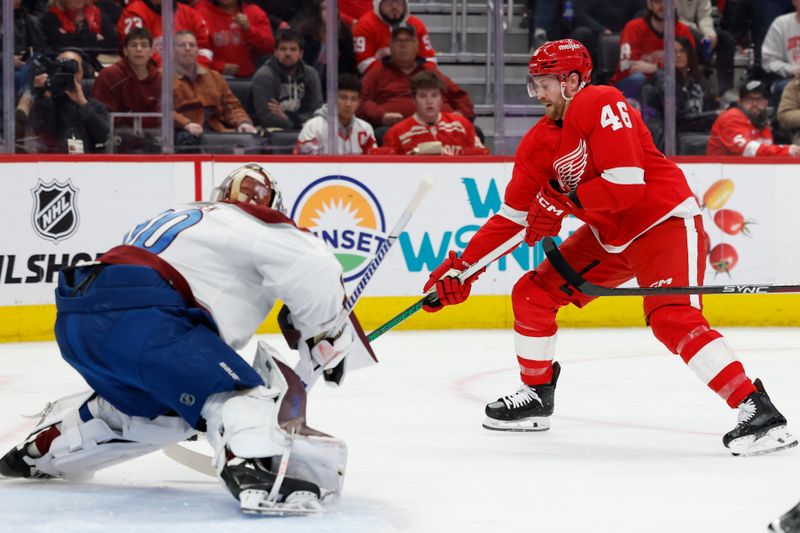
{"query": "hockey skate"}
(260, 491)
(789, 522)
(760, 428)
(528, 409)
(20, 460)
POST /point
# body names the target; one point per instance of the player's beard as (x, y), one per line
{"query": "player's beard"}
(394, 20)
(556, 110)
(759, 119)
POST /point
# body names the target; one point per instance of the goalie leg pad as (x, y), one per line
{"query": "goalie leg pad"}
(94, 435)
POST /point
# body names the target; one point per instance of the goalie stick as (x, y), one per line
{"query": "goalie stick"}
(424, 186)
(430, 297)
(587, 287)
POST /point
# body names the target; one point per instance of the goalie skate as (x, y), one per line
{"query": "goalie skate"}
(528, 409)
(789, 522)
(261, 491)
(760, 428)
(298, 503)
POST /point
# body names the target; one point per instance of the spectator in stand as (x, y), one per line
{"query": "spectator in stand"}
(610, 17)
(789, 109)
(28, 41)
(763, 13)
(240, 35)
(642, 50)
(311, 25)
(352, 10)
(286, 91)
(202, 99)
(745, 130)
(387, 96)
(372, 33)
(780, 53)
(64, 120)
(355, 135)
(697, 15)
(561, 19)
(695, 106)
(147, 14)
(431, 131)
(282, 12)
(132, 85)
(79, 24)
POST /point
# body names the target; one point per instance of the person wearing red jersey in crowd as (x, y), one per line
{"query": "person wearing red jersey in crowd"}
(386, 96)
(147, 14)
(78, 24)
(593, 157)
(429, 131)
(352, 10)
(641, 51)
(372, 33)
(745, 130)
(239, 35)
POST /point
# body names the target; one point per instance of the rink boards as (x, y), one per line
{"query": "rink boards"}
(64, 210)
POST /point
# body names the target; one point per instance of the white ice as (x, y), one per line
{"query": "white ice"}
(635, 446)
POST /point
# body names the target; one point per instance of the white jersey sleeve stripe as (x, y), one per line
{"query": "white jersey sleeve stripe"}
(514, 215)
(751, 149)
(624, 175)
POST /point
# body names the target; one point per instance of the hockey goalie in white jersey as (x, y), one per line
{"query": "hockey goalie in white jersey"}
(153, 328)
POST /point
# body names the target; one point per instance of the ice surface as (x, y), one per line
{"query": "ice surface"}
(635, 446)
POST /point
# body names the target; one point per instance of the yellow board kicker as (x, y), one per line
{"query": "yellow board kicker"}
(35, 322)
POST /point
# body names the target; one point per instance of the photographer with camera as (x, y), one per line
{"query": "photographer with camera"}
(63, 118)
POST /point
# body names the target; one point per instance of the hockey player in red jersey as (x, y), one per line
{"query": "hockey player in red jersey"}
(593, 157)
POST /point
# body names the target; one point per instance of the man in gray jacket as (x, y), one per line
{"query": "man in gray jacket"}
(286, 91)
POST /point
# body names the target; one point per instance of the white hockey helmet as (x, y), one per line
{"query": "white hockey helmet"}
(250, 184)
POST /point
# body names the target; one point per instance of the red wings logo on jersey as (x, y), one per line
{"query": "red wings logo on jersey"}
(569, 168)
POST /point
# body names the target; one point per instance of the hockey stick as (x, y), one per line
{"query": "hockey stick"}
(424, 186)
(430, 297)
(587, 287)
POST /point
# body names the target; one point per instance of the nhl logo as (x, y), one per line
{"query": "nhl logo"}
(55, 216)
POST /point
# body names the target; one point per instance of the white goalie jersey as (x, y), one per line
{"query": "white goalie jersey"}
(238, 261)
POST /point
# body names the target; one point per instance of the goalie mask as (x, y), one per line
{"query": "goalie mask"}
(250, 184)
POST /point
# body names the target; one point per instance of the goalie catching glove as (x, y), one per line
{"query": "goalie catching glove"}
(449, 289)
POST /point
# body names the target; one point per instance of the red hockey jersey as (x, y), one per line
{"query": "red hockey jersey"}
(734, 134)
(605, 153)
(640, 42)
(139, 14)
(371, 37)
(452, 130)
(607, 156)
(230, 43)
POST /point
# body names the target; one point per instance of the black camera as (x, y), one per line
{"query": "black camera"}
(60, 73)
